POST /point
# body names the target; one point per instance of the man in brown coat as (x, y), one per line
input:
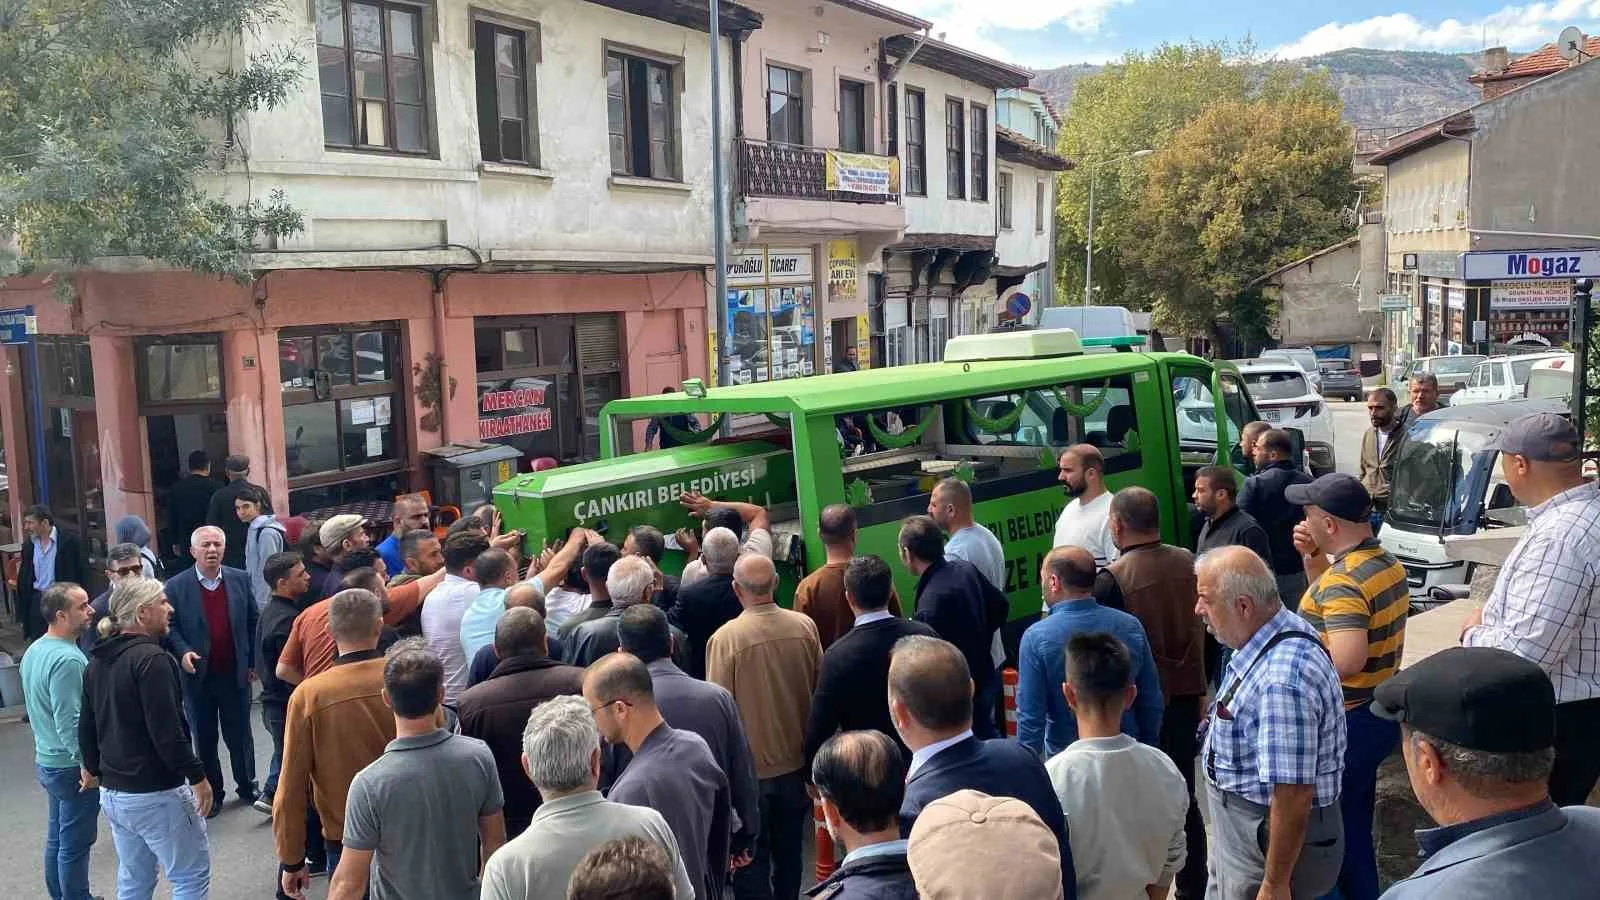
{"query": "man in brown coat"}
(820, 595)
(1156, 583)
(496, 711)
(1380, 446)
(335, 726)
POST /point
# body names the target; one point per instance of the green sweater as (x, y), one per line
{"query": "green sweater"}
(52, 679)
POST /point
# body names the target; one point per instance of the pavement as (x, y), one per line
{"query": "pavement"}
(243, 862)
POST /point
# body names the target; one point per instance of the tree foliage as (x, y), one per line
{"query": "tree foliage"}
(112, 114)
(1133, 105)
(1250, 169)
(1243, 189)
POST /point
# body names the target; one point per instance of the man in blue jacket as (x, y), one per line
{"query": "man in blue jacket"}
(1478, 735)
(213, 637)
(930, 701)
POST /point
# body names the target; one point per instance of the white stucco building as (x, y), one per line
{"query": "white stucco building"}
(1025, 141)
(939, 280)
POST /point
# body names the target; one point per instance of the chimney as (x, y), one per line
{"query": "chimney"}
(1495, 59)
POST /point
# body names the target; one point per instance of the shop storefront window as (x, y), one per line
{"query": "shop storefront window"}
(542, 381)
(341, 411)
(174, 372)
(70, 467)
(771, 315)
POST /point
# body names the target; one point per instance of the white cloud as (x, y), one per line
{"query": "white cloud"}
(971, 24)
(1519, 26)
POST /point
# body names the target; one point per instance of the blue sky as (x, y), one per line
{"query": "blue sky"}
(1044, 33)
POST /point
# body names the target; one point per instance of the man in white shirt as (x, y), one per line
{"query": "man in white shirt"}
(1086, 520)
(950, 507)
(1124, 801)
(744, 519)
(447, 604)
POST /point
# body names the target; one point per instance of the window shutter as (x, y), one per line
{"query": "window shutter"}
(488, 107)
(599, 344)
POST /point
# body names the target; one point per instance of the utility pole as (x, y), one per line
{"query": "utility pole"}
(719, 213)
(1582, 337)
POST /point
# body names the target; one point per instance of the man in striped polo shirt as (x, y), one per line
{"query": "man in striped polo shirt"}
(1357, 603)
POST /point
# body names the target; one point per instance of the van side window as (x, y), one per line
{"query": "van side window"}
(1196, 408)
(1098, 412)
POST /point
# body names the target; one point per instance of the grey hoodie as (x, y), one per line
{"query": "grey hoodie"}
(264, 538)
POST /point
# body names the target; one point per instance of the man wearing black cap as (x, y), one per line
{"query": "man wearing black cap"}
(222, 514)
(1544, 605)
(1357, 603)
(1479, 725)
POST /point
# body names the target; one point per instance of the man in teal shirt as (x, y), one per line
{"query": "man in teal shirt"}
(52, 679)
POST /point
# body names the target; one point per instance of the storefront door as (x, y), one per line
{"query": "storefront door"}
(64, 416)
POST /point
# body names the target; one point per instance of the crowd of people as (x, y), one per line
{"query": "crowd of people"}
(449, 719)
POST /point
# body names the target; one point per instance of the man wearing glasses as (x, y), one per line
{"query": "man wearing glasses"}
(1274, 742)
(122, 563)
(671, 772)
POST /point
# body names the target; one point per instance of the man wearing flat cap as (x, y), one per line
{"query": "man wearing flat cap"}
(1357, 603)
(1543, 607)
(1478, 726)
(341, 536)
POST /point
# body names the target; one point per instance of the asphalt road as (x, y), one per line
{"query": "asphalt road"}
(243, 863)
(1349, 424)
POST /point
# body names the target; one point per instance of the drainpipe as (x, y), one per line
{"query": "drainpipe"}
(438, 353)
(894, 73)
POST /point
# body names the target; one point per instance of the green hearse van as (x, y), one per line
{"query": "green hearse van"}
(996, 412)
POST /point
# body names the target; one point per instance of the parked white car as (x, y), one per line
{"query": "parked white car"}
(1285, 397)
(1499, 378)
(1305, 358)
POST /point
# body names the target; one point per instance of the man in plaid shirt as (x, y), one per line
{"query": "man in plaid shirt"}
(1543, 606)
(1275, 740)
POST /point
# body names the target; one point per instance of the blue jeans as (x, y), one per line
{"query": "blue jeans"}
(160, 830)
(272, 719)
(1371, 741)
(69, 833)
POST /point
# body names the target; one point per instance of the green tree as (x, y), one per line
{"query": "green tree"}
(114, 115)
(1137, 104)
(1247, 186)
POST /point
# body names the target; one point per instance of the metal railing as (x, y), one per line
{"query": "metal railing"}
(792, 172)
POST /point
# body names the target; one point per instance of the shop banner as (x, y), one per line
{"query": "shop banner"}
(530, 415)
(1530, 264)
(861, 173)
(17, 326)
(770, 266)
(843, 280)
(1548, 294)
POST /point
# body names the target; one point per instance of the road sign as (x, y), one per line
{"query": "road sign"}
(1394, 302)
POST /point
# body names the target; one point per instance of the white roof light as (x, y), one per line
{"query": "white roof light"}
(1013, 345)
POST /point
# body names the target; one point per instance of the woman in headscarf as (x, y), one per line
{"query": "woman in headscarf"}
(133, 530)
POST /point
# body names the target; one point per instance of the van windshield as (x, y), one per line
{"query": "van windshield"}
(1430, 476)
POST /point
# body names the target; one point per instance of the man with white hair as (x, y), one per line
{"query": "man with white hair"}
(709, 603)
(1275, 739)
(630, 581)
(214, 638)
(561, 756)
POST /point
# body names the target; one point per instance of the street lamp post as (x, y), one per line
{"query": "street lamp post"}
(1088, 256)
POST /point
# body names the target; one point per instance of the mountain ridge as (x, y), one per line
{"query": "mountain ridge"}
(1380, 88)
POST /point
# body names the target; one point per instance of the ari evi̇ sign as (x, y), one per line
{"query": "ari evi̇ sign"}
(861, 173)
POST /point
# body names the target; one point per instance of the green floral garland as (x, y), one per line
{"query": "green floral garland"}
(1083, 410)
(781, 422)
(691, 437)
(1003, 425)
(905, 438)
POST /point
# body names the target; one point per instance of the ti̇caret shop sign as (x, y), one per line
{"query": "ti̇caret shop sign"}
(1521, 264)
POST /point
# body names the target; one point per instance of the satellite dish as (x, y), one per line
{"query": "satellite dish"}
(1571, 42)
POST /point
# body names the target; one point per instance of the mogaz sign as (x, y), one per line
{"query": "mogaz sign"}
(1508, 264)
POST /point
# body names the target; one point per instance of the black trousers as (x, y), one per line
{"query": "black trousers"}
(775, 869)
(1179, 727)
(1577, 752)
(210, 701)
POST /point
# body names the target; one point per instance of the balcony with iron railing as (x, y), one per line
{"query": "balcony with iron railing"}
(793, 172)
